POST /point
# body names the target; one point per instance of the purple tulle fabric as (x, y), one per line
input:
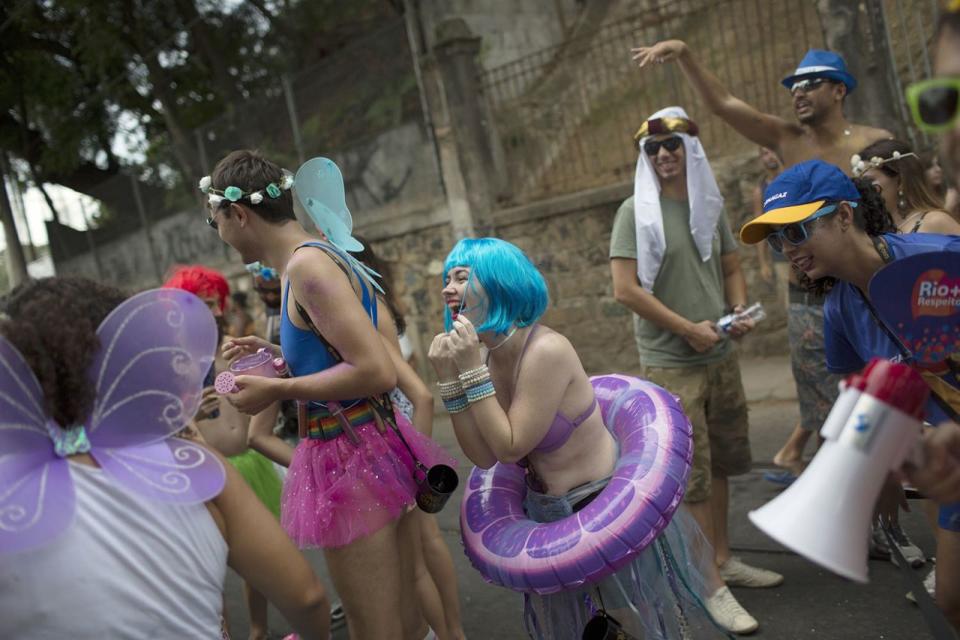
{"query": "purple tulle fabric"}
(336, 492)
(155, 349)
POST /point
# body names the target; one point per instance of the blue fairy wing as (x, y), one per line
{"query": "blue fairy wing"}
(319, 186)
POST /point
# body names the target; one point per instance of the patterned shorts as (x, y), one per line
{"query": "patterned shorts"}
(713, 398)
(817, 388)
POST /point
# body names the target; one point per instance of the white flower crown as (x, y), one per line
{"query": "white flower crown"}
(235, 194)
(861, 166)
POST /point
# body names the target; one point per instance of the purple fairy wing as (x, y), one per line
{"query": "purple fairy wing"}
(155, 350)
(36, 492)
(173, 470)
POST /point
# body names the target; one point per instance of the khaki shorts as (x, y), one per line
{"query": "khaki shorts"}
(713, 399)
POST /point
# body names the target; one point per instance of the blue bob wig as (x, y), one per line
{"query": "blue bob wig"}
(516, 291)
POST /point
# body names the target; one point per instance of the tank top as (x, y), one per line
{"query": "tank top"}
(303, 351)
(124, 568)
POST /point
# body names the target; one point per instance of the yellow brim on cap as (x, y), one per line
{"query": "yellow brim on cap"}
(759, 228)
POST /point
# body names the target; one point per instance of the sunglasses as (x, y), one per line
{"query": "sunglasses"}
(796, 233)
(807, 85)
(211, 218)
(933, 103)
(652, 147)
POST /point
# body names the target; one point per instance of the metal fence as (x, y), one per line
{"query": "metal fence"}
(566, 115)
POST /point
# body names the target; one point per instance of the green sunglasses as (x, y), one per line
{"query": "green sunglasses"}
(934, 103)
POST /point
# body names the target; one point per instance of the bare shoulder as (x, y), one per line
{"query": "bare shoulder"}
(550, 349)
(938, 221)
(868, 135)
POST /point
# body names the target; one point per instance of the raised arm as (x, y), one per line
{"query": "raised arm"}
(628, 292)
(762, 128)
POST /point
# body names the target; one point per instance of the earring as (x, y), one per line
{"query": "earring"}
(901, 201)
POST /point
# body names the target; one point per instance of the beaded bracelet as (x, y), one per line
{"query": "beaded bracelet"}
(458, 404)
(478, 392)
(450, 389)
(474, 376)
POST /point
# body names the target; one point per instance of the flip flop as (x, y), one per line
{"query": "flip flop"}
(783, 478)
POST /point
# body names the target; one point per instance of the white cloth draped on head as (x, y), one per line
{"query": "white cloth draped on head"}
(706, 203)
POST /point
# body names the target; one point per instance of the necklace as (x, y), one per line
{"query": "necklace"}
(502, 342)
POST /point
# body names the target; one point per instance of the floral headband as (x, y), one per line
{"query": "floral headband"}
(235, 194)
(666, 125)
(256, 269)
(861, 166)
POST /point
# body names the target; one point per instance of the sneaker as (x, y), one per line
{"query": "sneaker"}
(727, 612)
(929, 583)
(737, 573)
(911, 552)
(878, 548)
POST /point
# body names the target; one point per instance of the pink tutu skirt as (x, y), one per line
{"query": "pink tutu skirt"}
(336, 492)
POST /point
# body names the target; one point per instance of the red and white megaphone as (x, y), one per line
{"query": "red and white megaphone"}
(874, 425)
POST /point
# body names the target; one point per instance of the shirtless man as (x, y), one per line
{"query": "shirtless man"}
(818, 86)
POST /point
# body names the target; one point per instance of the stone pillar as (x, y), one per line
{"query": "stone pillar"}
(861, 38)
(462, 126)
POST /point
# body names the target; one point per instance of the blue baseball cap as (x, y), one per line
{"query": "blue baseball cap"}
(821, 64)
(796, 194)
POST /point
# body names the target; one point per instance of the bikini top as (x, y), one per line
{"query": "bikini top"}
(562, 427)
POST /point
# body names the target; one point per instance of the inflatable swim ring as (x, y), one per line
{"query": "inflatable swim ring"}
(656, 448)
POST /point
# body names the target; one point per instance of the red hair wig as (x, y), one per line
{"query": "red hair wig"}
(200, 281)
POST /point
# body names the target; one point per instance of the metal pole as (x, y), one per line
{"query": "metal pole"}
(145, 225)
(292, 113)
(202, 151)
(90, 240)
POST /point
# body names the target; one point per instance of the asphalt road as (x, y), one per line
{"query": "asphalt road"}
(812, 603)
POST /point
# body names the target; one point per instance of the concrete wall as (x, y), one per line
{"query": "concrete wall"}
(510, 29)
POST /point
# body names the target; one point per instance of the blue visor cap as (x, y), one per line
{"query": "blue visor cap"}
(821, 64)
(796, 194)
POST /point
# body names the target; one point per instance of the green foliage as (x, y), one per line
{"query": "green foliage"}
(78, 75)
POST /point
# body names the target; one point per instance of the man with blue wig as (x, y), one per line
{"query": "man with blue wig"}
(674, 264)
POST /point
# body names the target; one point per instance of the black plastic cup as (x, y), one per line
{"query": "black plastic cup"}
(436, 487)
(603, 627)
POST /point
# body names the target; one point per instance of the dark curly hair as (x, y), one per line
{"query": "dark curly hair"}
(53, 324)
(871, 216)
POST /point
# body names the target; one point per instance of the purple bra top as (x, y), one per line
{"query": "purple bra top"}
(562, 427)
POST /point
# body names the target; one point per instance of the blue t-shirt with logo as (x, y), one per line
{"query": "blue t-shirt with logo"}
(852, 336)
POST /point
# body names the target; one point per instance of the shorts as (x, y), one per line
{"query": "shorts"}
(817, 388)
(713, 398)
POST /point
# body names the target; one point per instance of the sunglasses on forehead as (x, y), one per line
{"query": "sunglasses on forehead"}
(933, 103)
(652, 147)
(807, 85)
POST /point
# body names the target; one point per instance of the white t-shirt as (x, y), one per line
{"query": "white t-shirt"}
(126, 567)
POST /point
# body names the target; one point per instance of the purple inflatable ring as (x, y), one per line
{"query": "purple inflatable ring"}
(656, 449)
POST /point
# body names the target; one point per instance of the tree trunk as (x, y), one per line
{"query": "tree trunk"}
(16, 263)
(861, 39)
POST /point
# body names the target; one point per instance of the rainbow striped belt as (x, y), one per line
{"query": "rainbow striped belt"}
(324, 422)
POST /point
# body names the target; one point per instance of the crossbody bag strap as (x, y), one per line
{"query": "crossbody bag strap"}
(881, 246)
(382, 404)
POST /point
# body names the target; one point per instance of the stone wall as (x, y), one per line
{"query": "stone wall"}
(568, 239)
